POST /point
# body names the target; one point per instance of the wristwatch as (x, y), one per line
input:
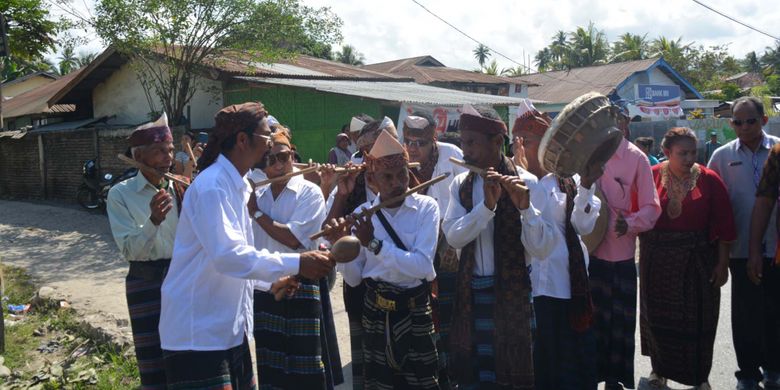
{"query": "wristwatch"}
(375, 246)
(257, 215)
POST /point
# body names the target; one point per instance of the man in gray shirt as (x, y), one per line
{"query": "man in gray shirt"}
(739, 164)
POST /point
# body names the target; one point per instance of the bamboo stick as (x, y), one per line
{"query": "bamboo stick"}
(477, 170)
(385, 203)
(144, 167)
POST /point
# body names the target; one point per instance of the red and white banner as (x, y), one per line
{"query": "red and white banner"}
(658, 112)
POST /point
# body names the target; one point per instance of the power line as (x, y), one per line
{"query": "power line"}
(735, 20)
(583, 82)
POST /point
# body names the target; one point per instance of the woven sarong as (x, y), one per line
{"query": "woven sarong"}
(210, 370)
(679, 305)
(287, 340)
(399, 348)
(142, 289)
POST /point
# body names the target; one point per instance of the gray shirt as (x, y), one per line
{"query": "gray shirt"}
(740, 169)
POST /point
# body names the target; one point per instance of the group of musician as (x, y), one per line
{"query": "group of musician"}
(477, 279)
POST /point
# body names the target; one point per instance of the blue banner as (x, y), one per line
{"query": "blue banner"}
(657, 95)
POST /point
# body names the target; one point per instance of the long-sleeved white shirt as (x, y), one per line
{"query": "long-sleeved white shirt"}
(129, 215)
(461, 227)
(207, 294)
(544, 236)
(300, 206)
(416, 222)
(441, 190)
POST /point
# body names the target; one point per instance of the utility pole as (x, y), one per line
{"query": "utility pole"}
(5, 51)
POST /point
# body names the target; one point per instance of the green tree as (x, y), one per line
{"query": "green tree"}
(481, 53)
(67, 60)
(491, 69)
(85, 58)
(771, 58)
(558, 48)
(169, 41)
(587, 46)
(751, 63)
(513, 72)
(543, 59)
(350, 56)
(630, 47)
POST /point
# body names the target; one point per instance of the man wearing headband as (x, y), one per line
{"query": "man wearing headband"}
(492, 323)
(207, 296)
(629, 191)
(356, 125)
(286, 213)
(143, 212)
(339, 154)
(564, 342)
(421, 144)
(396, 266)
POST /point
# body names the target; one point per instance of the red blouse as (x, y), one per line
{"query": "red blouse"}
(706, 207)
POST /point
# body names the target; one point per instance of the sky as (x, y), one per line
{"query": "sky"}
(384, 30)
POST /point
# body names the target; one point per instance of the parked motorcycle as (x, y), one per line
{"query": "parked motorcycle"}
(93, 192)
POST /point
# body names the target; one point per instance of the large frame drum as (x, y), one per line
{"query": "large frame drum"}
(583, 134)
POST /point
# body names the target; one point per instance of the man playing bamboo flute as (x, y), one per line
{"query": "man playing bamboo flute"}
(207, 296)
(143, 212)
(396, 266)
(287, 332)
(492, 325)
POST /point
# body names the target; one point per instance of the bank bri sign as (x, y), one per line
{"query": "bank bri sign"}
(657, 95)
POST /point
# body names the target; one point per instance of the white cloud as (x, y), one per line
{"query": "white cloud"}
(387, 30)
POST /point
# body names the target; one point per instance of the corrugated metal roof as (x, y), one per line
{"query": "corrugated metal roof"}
(426, 70)
(64, 126)
(35, 100)
(405, 92)
(565, 86)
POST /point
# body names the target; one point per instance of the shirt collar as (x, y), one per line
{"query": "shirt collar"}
(239, 182)
(408, 202)
(764, 141)
(142, 182)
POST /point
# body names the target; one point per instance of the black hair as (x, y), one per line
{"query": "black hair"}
(365, 118)
(230, 142)
(677, 134)
(488, 113)
(646, 141)
(345, 128)
(756, 102)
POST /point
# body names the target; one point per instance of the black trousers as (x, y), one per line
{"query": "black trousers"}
(755, 320)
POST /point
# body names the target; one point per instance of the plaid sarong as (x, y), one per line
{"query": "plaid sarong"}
(230, 369)
(329, 341)
(679, 305)
(613, 289)
(287, 340)
(142, 290)
(399, 348)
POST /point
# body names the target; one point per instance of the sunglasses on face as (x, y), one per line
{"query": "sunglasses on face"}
(281, 157)
(738, 122)
(416, 143)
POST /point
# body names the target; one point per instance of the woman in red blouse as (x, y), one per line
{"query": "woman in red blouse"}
(683, 263)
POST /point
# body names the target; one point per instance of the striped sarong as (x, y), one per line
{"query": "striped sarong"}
(446, 266)
(329, 340)
(613, 287)
(142, 290)
(287, 340)
(230, 369)
(353, 303)
(399, 349)
(679, 304)
(563, 358)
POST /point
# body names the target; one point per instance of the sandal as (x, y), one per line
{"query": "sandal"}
(656, 381)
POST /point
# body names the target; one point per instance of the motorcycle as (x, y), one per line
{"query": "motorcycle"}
(93, 192)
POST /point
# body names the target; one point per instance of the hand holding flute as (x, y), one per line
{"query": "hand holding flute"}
(495, 182)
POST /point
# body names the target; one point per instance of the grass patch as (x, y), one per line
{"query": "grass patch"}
(49, 348)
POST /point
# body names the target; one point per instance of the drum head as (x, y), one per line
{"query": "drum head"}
(595, 237)
(585, 132)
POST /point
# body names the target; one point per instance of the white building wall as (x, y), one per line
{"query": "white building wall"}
(122, 95)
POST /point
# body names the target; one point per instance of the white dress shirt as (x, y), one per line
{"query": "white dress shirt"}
(207, 294)
(300, 206)
(544, 236)
(441, 190)
(129, 215)
(461, 227)
(416, 222)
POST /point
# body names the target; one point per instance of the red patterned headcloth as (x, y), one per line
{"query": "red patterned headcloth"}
(151, 133)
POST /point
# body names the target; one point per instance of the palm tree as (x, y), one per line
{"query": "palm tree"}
(630, 47)
(349, 55)
(544, 59)
(751, 63)
(67, 60)
(771, 57)
(85, 59)
(513, 72)
(491, 69)
(559, 46)
(481, 53)
(587, 46)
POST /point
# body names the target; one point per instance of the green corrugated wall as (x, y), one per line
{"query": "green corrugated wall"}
(314, 117)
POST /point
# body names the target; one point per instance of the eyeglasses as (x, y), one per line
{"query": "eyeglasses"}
(738, 122)
(416, 143)
(281, 157)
